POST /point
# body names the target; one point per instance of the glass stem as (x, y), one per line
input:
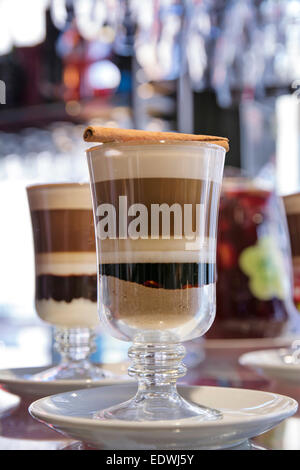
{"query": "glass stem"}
(74, 344)
(157, 368)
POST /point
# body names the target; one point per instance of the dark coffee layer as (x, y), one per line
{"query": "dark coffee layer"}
(66, 288)
(63, 230)
(294, 230)
(162, 275)
(169, 191)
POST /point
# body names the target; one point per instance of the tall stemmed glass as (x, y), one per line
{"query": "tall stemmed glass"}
(155, 212)
(66, 285)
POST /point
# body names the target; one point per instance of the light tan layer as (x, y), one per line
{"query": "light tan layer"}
(147, 308)
(159, 251)
(106, 134)
(66, 264)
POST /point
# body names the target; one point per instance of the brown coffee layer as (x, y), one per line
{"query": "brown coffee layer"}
(63, 230)
(294, 230)
(66, 288)
(169, 191)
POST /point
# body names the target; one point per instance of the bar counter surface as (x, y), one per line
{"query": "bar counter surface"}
(19, 431)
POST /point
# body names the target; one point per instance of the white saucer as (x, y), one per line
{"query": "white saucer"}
(8, 403)
(21, 383)
(270, 364)
(246, 413)
(246, 445)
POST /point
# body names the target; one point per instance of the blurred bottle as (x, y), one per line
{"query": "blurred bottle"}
(254, 288)
(71, 48)
(292, 207)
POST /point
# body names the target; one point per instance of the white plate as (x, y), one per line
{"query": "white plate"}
(246, 413)
(20, 381)
(8, 403)
(246, 445)
(270, 364)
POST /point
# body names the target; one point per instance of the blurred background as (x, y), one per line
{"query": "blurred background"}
(228, 68)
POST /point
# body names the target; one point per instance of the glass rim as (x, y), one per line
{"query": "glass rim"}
(246, 183)
(147, 143)
(73, 184)
(290, 196)
(291, 203)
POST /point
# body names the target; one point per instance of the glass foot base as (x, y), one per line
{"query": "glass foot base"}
(157, 407)
(85, 371)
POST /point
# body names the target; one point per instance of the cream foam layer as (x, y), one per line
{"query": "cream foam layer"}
(157, 251)
(59, 196)
(180, 160)
(292, 203)
(77, 313)
(66, 264)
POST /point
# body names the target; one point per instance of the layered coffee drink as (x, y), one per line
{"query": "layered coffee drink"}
(65, 254)
(155, 201)
(156, 233)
